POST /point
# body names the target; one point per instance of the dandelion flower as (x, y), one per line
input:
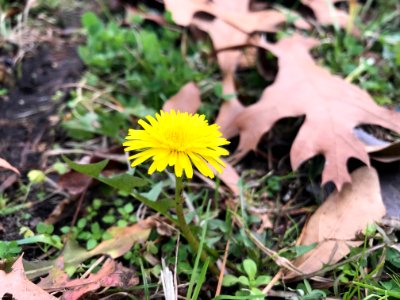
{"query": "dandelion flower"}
(180, 140)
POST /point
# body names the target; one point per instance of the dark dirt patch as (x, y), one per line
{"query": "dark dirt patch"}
(25, 127)
(25, 111)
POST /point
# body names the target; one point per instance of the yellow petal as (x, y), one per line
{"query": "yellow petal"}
(143, 156)
(187, 165)
(201, 165)
(178, 165)
(177, 139)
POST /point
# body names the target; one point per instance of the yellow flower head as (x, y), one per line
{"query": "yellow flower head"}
(177, 139)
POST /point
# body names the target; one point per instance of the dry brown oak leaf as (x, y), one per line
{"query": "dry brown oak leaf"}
(111, 274)
(6, 165)
(332, 108)
(183, 12)
(231, 27)
(337, 221)
(18, 285)
(224, 35)
(187, 99)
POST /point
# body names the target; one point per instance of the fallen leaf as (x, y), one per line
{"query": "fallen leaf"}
(389, 178)
(6, 165)
(228, 61)
(9, 181)
(74, 183)
(231, 27)
(111, 274)
(123, 238)
(371, 142)
(183, 12)
(254, 21)
(332, 109)
(121, 241)
(151, 16)
(230, 177)
(18, 285)
(265, 223)
(58, 211)
(383, 151)
(337, 221)
(186, 100)
(387, 154)
(229, 110)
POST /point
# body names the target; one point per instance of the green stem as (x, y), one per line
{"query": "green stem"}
(184, 227)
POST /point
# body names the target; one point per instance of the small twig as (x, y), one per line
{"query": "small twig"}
(113, 296)
(280, 261)
(94, 265)
(274, 280)
(343, 262)
(116, 106)
(222, 267)
(178, 240)
(283, 294)
(78, 208)
(114, 157)
(12, 209)
(288, 210)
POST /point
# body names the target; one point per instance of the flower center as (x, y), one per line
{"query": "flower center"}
(177, 139)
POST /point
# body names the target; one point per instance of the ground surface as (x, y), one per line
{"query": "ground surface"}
(39, 90)
(29, 117)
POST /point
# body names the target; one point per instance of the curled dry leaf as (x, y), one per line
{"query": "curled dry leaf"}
(120, 242)
(183, 12)
(337, 221)
(111, 274)
(380, 150)
(123, 238)
(229, 110)
(74, 183)
(233, 22)
(389, 178)
(229, 176)
(6, 165)
(332, 109)
(387, 153)
(186, 100)
(18, 285)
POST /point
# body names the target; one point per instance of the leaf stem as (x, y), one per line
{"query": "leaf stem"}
(184, 227)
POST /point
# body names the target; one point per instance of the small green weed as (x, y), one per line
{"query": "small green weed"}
(306, 292)
(9, 250)
(135, 70)
(250, 283)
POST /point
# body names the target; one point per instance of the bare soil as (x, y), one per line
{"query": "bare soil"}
(29, 119)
